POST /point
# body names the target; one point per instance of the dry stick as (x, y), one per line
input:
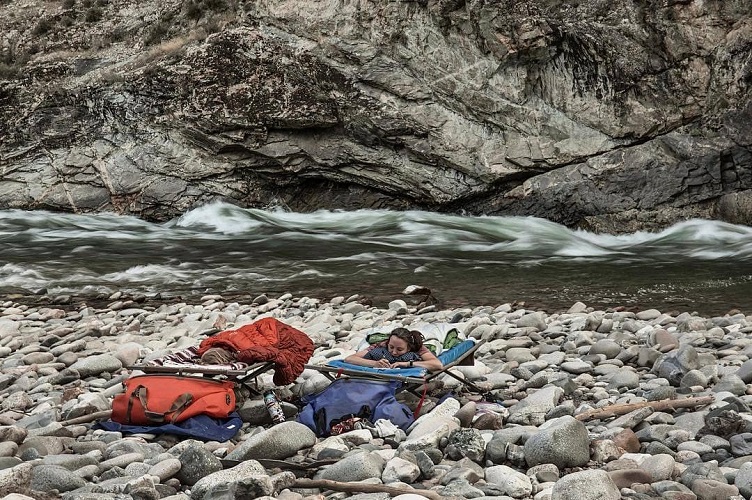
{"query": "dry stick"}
(365, 488)
(83, 419)
(664, 404)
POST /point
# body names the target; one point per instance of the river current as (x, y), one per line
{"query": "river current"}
(696, 265)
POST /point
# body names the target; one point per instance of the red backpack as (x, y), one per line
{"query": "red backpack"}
(162, 399)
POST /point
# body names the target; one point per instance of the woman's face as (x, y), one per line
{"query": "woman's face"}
(396, 346)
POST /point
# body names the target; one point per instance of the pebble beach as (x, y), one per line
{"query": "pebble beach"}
(579, 404)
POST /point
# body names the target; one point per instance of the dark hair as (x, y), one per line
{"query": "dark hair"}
(413, 338)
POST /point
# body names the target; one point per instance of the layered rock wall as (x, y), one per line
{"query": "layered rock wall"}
(611, 116)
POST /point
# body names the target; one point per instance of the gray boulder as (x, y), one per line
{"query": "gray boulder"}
(743, 480)
(278, 442)
(15, 479)
(592, 484)
(55, 477)
(94, 365)
(13, 433)
(466, 443)
(509, 481)
(533, 409)
(675, 364)
(355, 467)
(563, 442)
(244, 471)
(197, 462)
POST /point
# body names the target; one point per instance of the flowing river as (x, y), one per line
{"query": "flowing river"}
(696, 265)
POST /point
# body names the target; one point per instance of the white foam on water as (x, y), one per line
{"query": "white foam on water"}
(222, 247)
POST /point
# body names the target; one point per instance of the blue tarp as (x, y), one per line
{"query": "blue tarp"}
(201, 427)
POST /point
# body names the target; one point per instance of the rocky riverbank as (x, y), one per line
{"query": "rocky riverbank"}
(548, 374)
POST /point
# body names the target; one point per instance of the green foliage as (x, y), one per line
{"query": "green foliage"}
(195, 9)
(43, 26)
(112, 77)
(8, 71)
(93, 15)
(11, 63)
(68, 4)
(212, 26)
(214, 5)
(157, 33)
(160, 30)
(118, 34)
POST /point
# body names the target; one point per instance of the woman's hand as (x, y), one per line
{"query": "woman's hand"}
(401, 364)
(383, 363)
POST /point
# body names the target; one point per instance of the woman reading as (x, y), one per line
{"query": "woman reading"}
(403, 349)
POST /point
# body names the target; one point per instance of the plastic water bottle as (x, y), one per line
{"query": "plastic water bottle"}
(273, 407)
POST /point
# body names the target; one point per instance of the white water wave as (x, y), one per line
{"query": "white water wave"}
(338, 232)
(14, 275)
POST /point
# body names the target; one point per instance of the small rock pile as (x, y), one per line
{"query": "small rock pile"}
(575, 409)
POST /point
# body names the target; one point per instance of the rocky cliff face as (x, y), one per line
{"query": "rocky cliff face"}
(610, 116)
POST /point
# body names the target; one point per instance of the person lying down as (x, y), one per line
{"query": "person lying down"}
(217, 356)
(403, 349)
(266, 339)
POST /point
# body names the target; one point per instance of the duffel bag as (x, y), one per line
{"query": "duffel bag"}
(162, 399)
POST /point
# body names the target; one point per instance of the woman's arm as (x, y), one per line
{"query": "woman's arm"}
(358, 359)
(428, 361)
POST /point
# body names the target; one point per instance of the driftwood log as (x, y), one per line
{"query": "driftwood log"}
(91, 417)
(365, 488)
(624, 408)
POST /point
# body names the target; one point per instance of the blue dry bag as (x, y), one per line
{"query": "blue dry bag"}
(348, 397)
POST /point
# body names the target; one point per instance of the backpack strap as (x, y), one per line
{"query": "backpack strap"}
(176, 408)
(416, 413)
(365, 412)
(319, 420)
(128, 411)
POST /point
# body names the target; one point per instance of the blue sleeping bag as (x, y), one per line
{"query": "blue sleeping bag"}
(350, 397)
